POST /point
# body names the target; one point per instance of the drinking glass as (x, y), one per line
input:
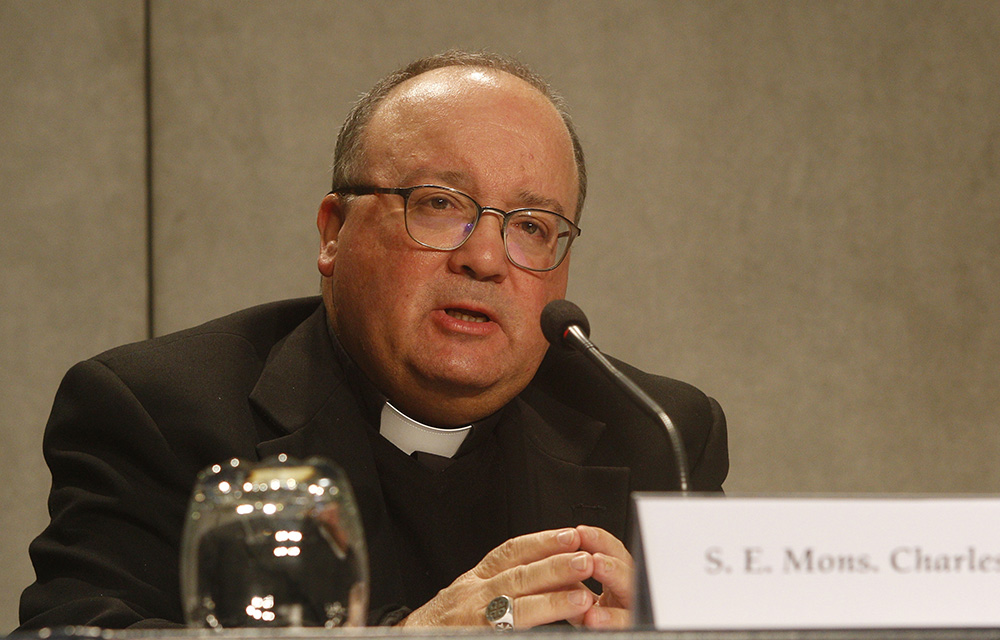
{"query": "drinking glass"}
(273, 544)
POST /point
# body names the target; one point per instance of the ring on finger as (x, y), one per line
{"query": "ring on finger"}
(500, 613)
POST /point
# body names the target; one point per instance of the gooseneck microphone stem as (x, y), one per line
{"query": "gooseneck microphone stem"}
(575, 336)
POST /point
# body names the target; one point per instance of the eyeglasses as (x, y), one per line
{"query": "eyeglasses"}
(443, 218)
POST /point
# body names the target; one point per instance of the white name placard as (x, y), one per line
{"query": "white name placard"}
(818, 563)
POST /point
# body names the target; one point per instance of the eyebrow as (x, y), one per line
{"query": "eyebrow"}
(463, 182)
(460, 178)
(535, 201)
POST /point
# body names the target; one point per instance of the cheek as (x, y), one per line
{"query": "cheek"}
(365, 252)
(553, 286)
(359, 277)
(533, 294)
(376, 280)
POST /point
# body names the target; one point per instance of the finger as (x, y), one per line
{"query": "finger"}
(464, 601)
(545, 608)
(526, 549)
(616, 577)
(577, 620)
(555, 573)
(607, 618)
(597, 540)
(612, 565)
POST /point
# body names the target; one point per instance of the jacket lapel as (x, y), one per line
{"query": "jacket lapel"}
(304, 395)
(550, 486)
(302, 392)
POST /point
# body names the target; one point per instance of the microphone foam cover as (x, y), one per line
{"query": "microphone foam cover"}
(559, 315)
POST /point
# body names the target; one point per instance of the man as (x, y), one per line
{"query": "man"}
(458, 183)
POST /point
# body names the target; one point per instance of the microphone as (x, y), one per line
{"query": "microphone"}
(565, 326)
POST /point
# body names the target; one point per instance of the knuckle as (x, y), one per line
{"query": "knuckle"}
(519, 579)
(497, 559)
(509, 550)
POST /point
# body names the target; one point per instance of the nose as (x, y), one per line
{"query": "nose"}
(482, 256)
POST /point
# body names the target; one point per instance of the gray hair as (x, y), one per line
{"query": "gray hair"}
(349, 155)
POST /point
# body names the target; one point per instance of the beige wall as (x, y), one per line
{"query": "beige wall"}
(795, 206)
(72, 229)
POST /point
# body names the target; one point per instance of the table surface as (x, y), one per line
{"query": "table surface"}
(550, 633)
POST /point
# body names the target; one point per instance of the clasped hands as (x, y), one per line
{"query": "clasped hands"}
(543, 574)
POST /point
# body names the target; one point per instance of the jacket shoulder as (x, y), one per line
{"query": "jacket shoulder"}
(568, 381)
(186, 391)
(571, 378)
(258, 328)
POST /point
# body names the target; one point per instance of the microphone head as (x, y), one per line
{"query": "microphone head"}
(560, 315)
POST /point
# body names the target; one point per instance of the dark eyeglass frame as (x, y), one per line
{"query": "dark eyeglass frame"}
(404, 192)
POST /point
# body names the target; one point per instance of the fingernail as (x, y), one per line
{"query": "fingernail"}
(579, 561)
(603, 616)
(565, 537)
(579, 597)
(606, 564)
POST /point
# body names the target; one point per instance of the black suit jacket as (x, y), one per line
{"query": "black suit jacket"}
(131, 428)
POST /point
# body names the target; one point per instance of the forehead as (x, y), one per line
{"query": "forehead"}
(463, 86)
(456, 117)
(456, 96)
(447, 80)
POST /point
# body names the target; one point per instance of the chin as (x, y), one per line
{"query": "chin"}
(468, 377)
(473, 381)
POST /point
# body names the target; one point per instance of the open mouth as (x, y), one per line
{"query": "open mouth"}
(467, 316)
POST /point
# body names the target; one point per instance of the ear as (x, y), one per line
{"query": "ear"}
(329, 221)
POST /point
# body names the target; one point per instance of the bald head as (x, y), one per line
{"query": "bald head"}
(438, 126)
(349, 161)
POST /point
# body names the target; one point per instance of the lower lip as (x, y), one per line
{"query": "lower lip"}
(456, 325)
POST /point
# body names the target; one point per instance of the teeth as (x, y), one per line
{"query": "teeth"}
(466, 317)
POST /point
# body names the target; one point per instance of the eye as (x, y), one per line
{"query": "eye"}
(529, 227)
(535, 227)
(440, 203)
(437, 201)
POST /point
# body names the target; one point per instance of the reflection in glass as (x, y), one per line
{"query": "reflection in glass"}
(274, 544)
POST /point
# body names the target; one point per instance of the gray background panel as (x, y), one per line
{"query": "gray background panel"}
(73, 230)
(794, 206)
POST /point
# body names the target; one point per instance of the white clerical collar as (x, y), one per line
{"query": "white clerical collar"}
(409, 435)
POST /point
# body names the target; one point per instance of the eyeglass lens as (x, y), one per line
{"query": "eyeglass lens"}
(443, 219)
